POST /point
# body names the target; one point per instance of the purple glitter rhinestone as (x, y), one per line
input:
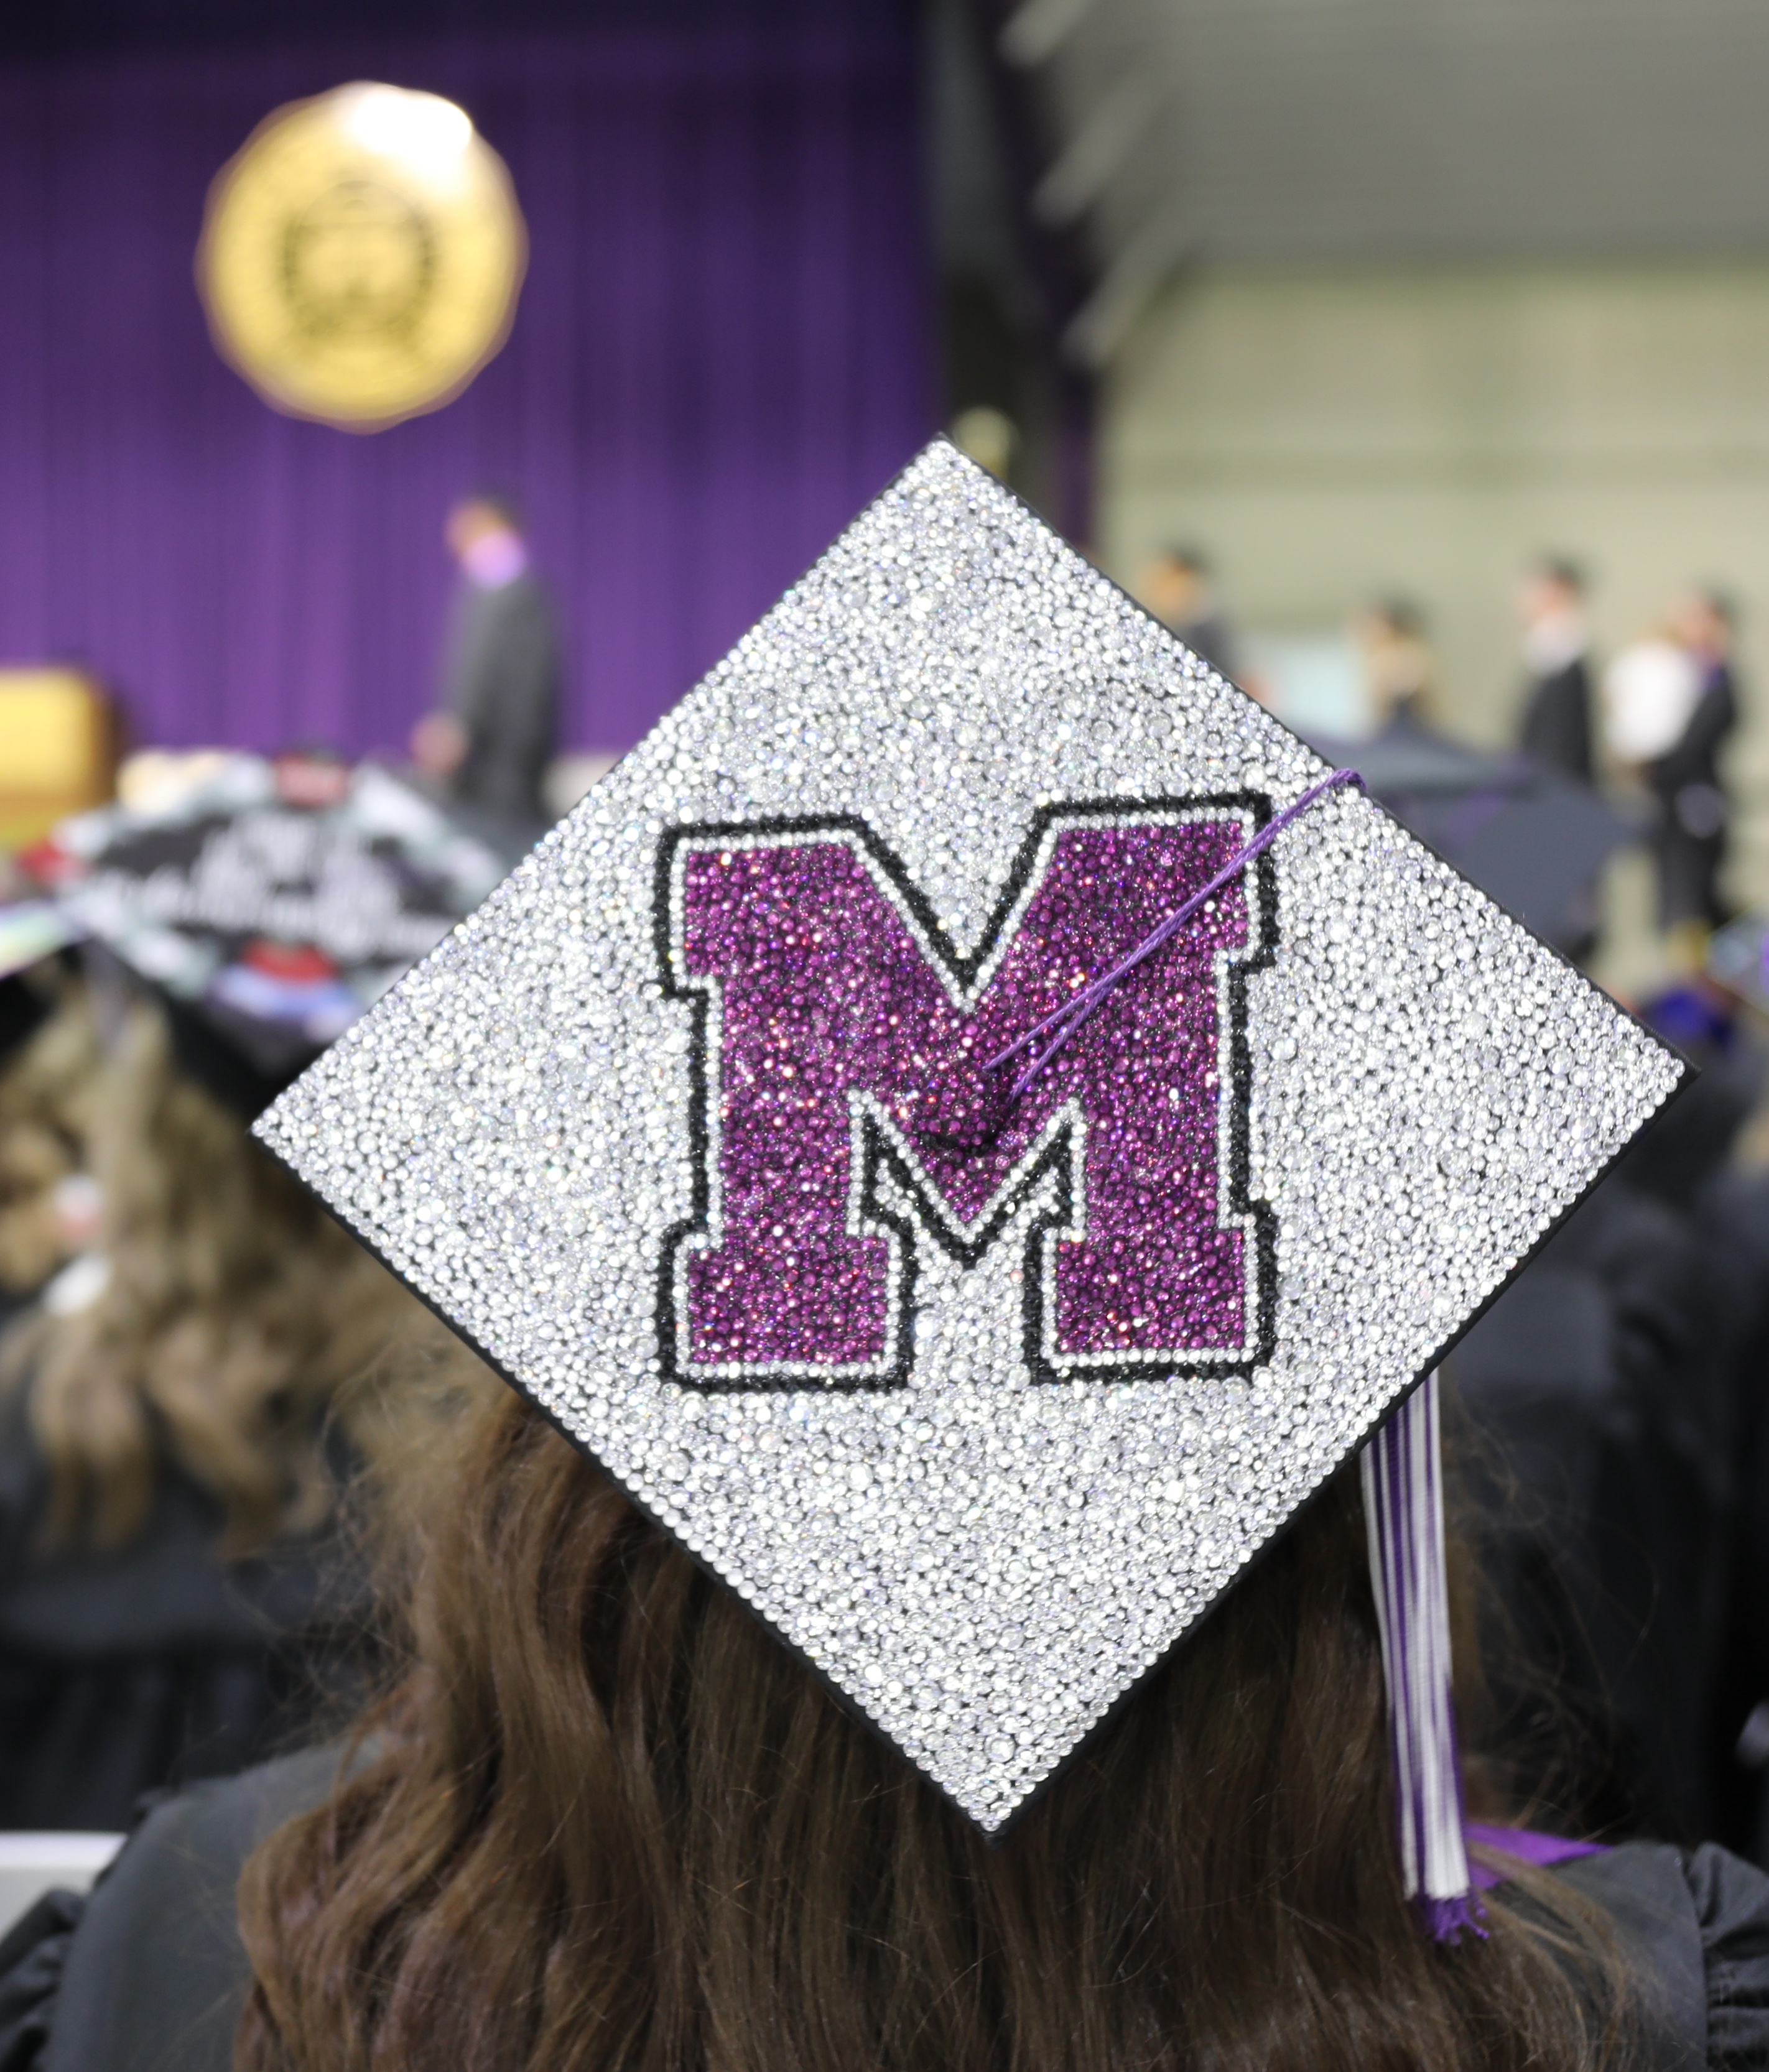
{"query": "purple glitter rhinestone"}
(832, 1013)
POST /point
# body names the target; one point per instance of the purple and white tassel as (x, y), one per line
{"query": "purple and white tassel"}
(1403, 1484)
(1403, 1510)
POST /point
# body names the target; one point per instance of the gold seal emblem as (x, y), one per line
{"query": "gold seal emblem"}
(361, 256)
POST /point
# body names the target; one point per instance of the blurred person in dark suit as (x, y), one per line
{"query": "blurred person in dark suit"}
(1685, 779)
(1176, 587)
(1557, 724)
(493, 734)
(1671, 704)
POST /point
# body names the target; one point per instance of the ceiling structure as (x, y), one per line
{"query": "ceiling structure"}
(1378, 131)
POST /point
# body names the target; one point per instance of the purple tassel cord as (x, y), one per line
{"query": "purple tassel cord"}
(1403, 1510)
(1073, 1014)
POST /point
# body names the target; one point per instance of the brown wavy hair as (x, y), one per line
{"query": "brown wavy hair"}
(239, 1321)
(46, 1093)
(605, 1821)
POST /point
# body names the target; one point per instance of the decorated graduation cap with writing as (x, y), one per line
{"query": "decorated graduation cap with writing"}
(267, 901)
(970, 1124)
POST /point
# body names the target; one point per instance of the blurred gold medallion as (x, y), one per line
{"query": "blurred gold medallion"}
(361, 256)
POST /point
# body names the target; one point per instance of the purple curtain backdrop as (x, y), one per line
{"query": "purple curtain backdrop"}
(722, 349)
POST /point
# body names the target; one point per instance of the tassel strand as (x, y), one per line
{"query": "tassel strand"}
(1403, 1510)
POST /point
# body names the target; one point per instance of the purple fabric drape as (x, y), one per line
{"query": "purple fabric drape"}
(722, 349)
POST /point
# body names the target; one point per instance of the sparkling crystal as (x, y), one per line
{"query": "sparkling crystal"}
(980, 1535)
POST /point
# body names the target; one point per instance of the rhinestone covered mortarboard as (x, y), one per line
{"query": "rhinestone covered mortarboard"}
(979, 1403)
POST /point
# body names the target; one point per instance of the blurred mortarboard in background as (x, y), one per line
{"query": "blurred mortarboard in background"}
(1535, 842)
(268, 904)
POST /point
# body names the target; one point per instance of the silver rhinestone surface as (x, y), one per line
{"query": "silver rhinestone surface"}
(984, 1566)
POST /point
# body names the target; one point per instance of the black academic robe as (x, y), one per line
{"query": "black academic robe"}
(149, 1970)
(502, 683)
(1734, 1213)
(123, 1673)
(1556, 729)
(1602, 1476)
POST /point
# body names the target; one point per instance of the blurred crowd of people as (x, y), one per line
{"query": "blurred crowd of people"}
(1651, 727)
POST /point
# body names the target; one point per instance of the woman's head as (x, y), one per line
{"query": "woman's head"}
(606, 1820)
(235, 1315)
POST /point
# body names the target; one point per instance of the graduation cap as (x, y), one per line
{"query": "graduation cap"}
(970, 1124)
(1534, 840)
(269, 905)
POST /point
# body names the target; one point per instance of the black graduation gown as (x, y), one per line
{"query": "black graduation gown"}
(149, 1972)
(122, 1673)
(1734, 1215)
(1613, 1385)
(1556, 729)
(1601, 1476)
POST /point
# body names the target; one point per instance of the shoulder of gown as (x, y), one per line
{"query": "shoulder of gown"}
(1731, 1900)
(1698, 1923)
(148, 1973)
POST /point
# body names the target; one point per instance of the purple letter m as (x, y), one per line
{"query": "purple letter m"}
(835, 1024)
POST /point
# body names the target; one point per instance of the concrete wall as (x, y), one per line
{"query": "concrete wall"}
(1333, 435)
